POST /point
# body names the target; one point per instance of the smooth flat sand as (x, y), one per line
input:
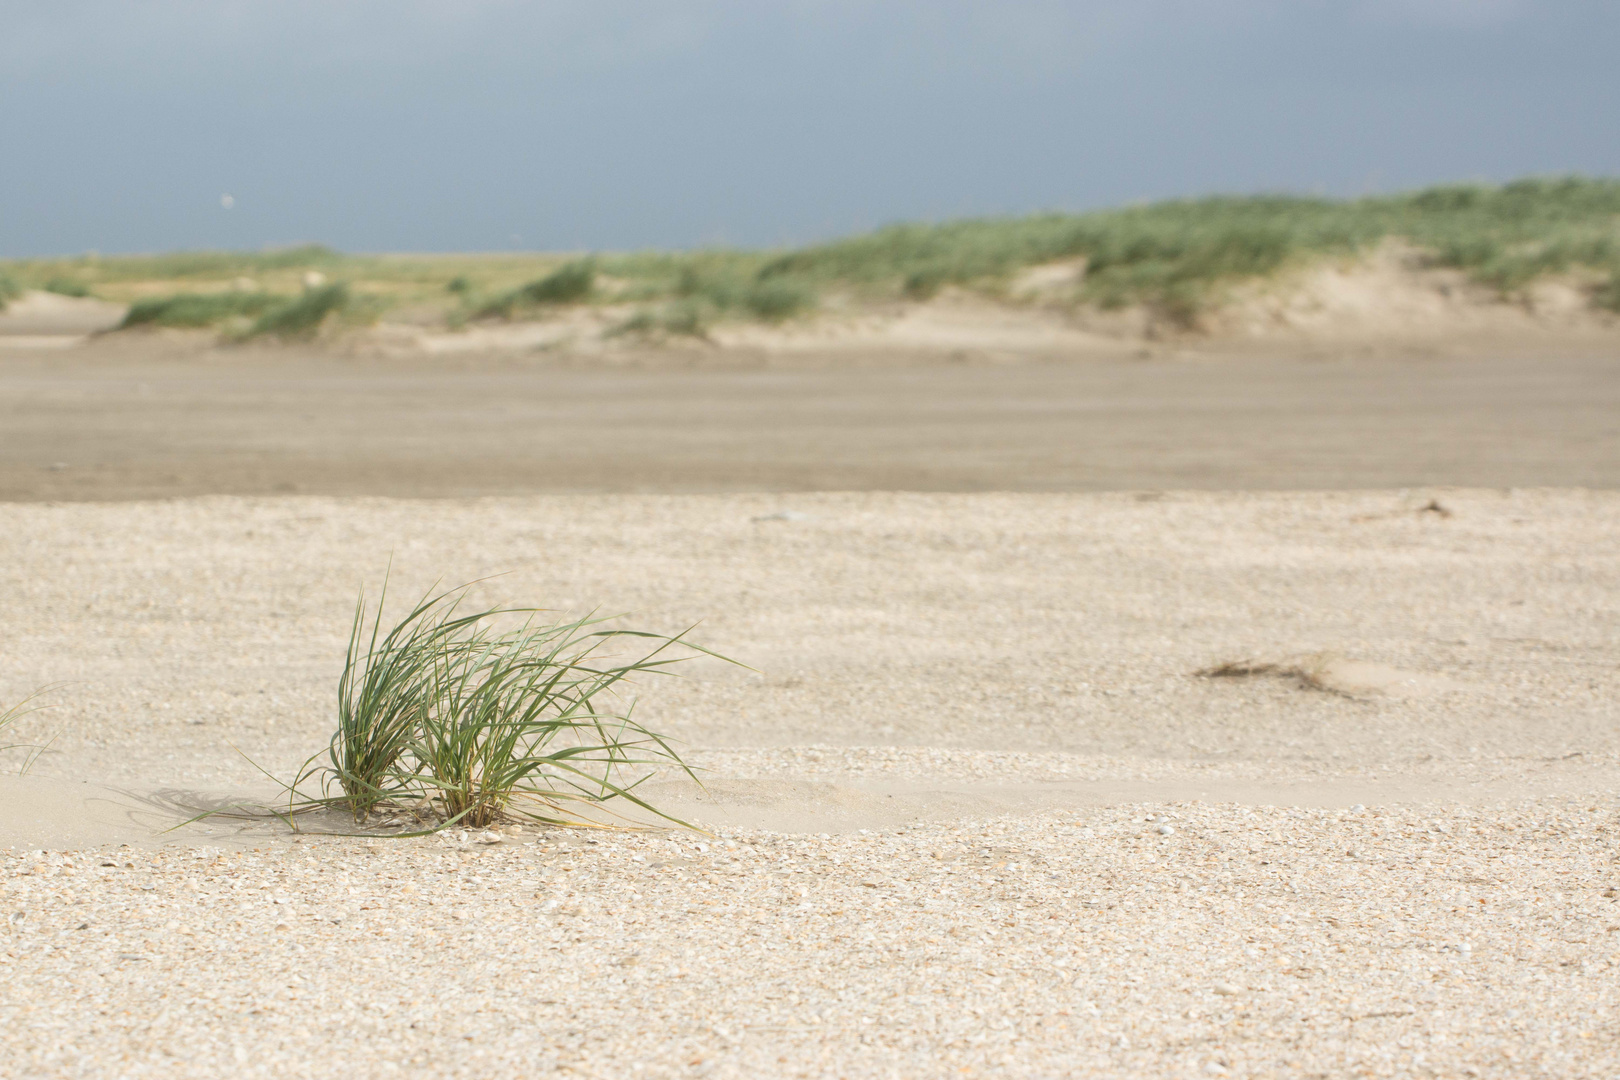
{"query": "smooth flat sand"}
(974, 813)
(131, 419)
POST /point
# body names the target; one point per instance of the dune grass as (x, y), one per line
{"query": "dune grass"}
(202, 265)
(301, 317)
(16, 712)
(244, 314)
(10, 289)
(193, 310)
(66, 286)
(1174, 257)
(570, 283)
(12, 715)
(469, 717)
(710, 288)
(380, 701)
(679, 318)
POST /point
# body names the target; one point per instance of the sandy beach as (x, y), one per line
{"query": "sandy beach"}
(1035, 541)
(974, 811)
(139, 420)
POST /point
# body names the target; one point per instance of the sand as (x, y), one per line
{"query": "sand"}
(1388, 301)
(132, 419)
(974, 813)
(40, 320)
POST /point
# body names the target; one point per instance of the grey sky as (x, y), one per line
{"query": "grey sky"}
(486, 124)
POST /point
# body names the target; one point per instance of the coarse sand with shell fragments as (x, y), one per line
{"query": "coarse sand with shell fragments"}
(1154, 784)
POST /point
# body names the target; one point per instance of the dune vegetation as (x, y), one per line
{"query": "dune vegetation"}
(449, 718)
(245, 314)
(9, 716)
(1172, 256)
(197, 309)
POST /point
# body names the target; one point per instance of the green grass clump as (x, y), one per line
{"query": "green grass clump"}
(194, 310)
(302, 317)
(708, 289)
(63, 286)
(380, 698)
(467, 718)
(9, 290)
(682, 318)
(776, 300)
(569, 284)
(278, 316)
(1607, 296)
(711, 287)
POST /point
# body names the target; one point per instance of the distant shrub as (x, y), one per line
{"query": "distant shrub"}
(1607, 297)
(686, 320)
(683, 318)
(9, 290)
(197, 309)
(1448, 199)
(568, 284)
(774, 301)
(67, 287)
(720, 285)
(925, 284)
(712, 286)
(460, 285)
(303, 316)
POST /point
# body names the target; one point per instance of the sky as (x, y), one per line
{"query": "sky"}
(462, 125)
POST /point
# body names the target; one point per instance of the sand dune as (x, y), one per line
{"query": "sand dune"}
(1389, 301)
(45, 321)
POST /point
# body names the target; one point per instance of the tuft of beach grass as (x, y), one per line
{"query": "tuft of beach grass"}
(16, 712)
(457, 716)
